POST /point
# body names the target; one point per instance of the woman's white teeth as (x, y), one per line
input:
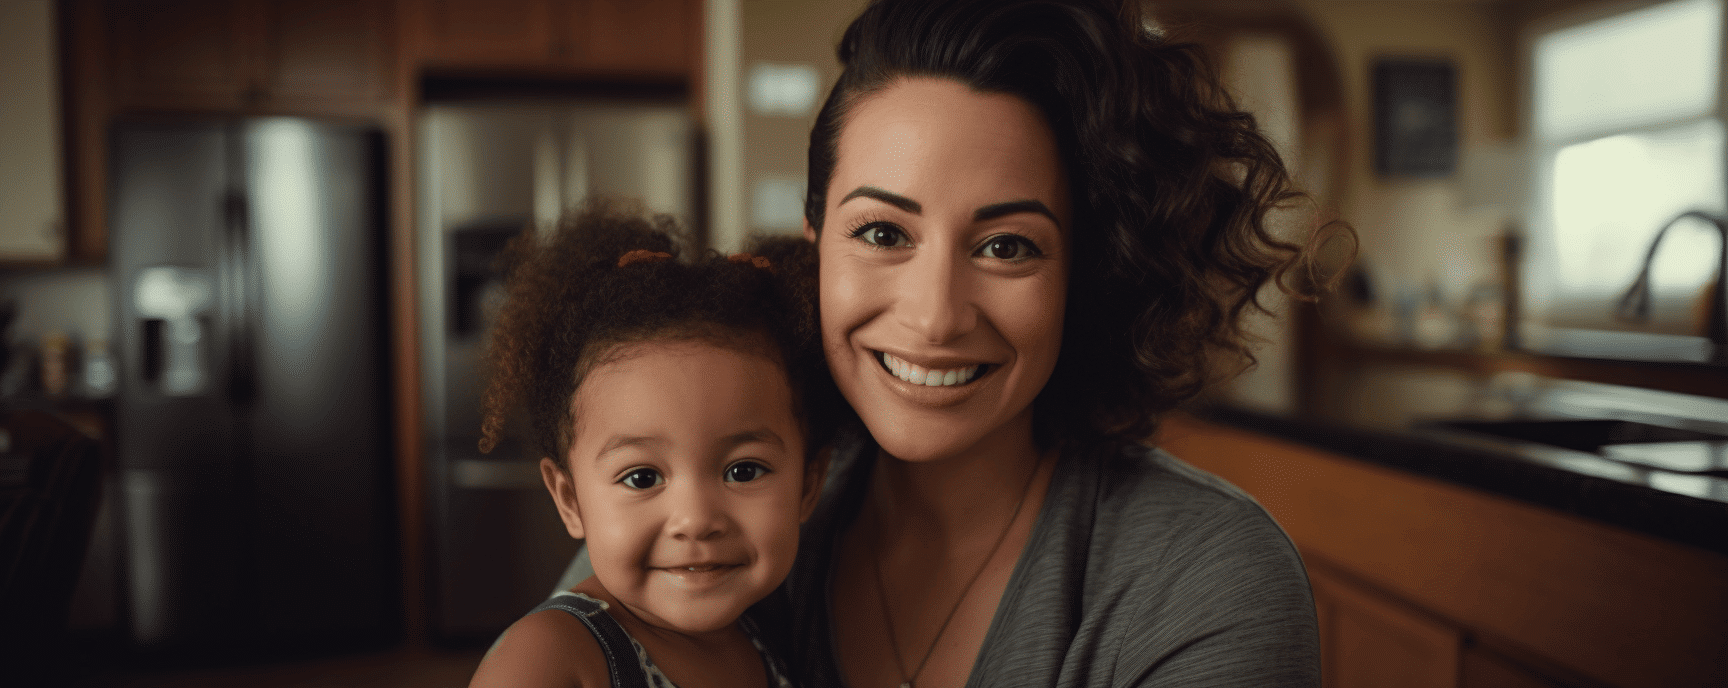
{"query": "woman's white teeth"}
(919, 375)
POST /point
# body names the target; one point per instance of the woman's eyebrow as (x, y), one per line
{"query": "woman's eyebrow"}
(884, 196)
(995, 210)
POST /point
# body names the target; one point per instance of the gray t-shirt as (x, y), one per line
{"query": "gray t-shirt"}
(1140, 571)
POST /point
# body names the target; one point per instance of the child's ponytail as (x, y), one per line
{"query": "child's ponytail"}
(609, 275)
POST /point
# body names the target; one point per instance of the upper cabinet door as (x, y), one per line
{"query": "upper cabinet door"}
(487, 33)
(297, 56)
(647, 37)
(605, 38)
(31, 220)
(179, 53)
(319, 52)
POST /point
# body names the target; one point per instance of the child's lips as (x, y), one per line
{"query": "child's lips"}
(700, 574)
(698, 567)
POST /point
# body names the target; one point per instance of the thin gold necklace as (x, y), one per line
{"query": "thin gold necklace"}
(882, 590)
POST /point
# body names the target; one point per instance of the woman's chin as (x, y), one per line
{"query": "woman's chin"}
(923, 445)
(920, 434)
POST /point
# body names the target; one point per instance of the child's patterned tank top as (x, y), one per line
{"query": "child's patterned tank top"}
(626, 660)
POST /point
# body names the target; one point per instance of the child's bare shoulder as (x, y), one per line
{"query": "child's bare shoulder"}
(546, 649)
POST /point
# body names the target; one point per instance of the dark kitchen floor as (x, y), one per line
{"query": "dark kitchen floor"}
(394, 669)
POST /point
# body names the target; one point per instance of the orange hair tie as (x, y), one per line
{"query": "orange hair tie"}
(642, 255)
(758, 261)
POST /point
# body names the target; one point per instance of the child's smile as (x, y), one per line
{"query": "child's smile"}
(688, 480)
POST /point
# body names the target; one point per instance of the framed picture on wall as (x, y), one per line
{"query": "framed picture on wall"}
(1415, 116)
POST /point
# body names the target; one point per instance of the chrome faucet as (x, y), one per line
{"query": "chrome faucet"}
(1635, 303)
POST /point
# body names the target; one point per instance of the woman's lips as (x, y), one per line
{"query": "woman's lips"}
(914, 374)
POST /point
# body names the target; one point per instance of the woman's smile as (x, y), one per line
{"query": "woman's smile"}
(933, 374)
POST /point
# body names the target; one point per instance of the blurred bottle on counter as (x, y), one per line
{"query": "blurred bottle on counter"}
(56, 366)
(1511, 245)
(1482, 317)
(1432, 321)
(100, 377)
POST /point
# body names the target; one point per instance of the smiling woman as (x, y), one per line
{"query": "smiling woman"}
(1038, 226)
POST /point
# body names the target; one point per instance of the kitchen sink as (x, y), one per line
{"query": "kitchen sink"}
(1655, 446)
(1582, 435)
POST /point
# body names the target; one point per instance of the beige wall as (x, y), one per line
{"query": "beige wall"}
(787, 31)
(1417, 231)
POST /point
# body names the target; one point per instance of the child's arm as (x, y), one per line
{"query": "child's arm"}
(547, 649)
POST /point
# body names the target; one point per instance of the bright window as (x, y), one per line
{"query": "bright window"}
(1628, 133)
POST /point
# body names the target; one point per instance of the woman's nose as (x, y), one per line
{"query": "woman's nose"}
(697, 514)
(934, 300)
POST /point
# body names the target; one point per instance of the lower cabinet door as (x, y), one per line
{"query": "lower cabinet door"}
(1369, 640)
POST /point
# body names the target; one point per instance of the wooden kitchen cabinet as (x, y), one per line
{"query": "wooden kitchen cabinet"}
(1371, 640)
(327, 52)
(1482, 668)
(584, 38)
(638, 36)
(32, 215)
(291, 56)
(1421, 582)
(480, 34)
(178, 53)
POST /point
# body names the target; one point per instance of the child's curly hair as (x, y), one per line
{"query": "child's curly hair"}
(611, 275)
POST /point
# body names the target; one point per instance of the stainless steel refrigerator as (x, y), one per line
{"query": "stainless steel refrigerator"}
(487, 171)
(253, 427)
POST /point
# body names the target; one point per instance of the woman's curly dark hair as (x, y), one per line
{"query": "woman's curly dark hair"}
(1172, 187)
(569, 304)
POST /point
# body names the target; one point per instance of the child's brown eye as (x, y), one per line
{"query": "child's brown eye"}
(642, 478)
(745, 471)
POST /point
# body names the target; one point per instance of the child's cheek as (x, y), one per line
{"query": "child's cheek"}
(619, 543)
(781, 521)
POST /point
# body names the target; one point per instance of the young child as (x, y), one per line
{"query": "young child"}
(679, 406)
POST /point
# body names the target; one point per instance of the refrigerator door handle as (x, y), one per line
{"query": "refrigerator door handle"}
(238, 278)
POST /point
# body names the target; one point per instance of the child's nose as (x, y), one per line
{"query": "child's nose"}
(697, 516)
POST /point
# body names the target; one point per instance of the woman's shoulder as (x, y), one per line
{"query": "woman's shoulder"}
(548, 647)
(1187, 576)
(1144, 482)
(1160, 521)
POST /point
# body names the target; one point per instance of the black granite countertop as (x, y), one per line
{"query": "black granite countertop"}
(1396, 423)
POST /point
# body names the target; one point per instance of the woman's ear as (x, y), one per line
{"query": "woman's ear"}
(563, 496)
(815, 473)
(809, 232)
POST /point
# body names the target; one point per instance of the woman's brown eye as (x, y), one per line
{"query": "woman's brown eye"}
(1009, 248)
(881, 234)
